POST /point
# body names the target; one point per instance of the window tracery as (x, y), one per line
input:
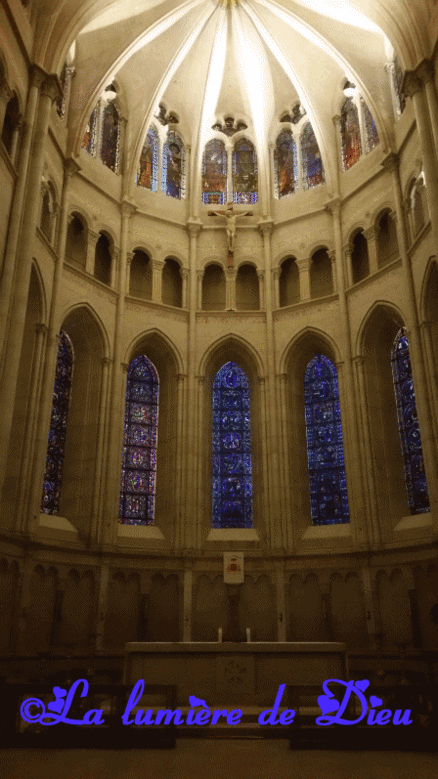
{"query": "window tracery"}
(139, 459)
(147, 176)
(58, 426)
(232, 465)
(102, 133)
(173, 166)
(325, 451)
(214, 173)
(409, 429)
(245, 180)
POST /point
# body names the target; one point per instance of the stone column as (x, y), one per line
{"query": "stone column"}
(184, 273)
(11, 250)
(425, 416)
(202, 459)
(92, 239)
(432, 371)
(49, 91)
(51, 353)
(365, 443)
(25, 600)
(115, 256)
(188, 585)
(102, 599)
(123, 147)
(65, 100)
(282, 383)
(369, 591)
(371, 238)
(332, 258)
(188, 506)
(180, 460)
(304, 271)
(276, 286)
(281, 601)
(261, 278)
(413, 87)
(426, 73)
(199, 276)
(348, 260)
(356, 472)
(129, 257)
(263, 488)
(100, 449)
(275, 516)
(157, 279)
(230, 289)
(112, 485)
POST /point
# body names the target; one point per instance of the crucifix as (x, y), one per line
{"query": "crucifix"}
(231, 217)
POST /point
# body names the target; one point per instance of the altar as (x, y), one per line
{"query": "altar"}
(244, 674)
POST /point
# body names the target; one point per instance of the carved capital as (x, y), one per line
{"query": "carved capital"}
(194, 227)
(411, 84)
(261, 274)
(334, 206)
(348, 250)
(370, 233)
(180, 377)
(106, 362)
(92, 238)
(37, 76)
(125, 366)
(71, 167)
(127, 209)
(129, 257)
(41, 329)
(266, 226)
(276, 273)
(51, 88)
(332, 255)
(115, 254)
(157, 265)
(184, 273)
(303, 265)
(426, 71)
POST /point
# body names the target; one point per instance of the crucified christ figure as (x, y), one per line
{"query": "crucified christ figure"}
(231, 216)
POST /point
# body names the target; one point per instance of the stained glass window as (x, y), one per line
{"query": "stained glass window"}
(350, 134)
(325, 451)
(409, 429)
(148, 168)
(60, 103)
(313, 171)
(173, 168)
(245, 185)
(232, 471)
(89, 141)
(371, 134)
(397, 76)
(285, 164)
(58, 427)
(214, 173)
(109, 146)
(139, 459)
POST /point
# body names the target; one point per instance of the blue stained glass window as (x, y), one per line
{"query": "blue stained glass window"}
(214, 173)
(350, 134)
(371, 134)
(313, 171)
(286, 164)
(148, 168)
(139, 459)
(173, 168)
(232, 469)
(245, 180)
(416, 484)
(58, 427)
(325, 451)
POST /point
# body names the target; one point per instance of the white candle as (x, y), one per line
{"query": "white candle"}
(248, 634)
(219, 636)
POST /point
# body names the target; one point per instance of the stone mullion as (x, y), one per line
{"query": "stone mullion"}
(284, 429)
(157, 280)
(281, 601)
(92, 239)
(261, 279)
(199, 276)
(431, 371)
(11, 365)
(276, 272)
(184, 273)
(263, 489)
(304, 278)
(101, 606)
(230, 289)
(188, 601)
(371, 239)
(201, 459)
(180, 405)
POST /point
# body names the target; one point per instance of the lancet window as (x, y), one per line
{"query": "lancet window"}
(415, 478)
(102, 134)
(370, 129)
(147, 176)
(285, 164)
(173, 167)
(214, 173)
(139, 459)
(58, 427)
(350, 134)
(313, 171)
(397, 80)
(245, 179)
(232, 465)
(325, 451)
